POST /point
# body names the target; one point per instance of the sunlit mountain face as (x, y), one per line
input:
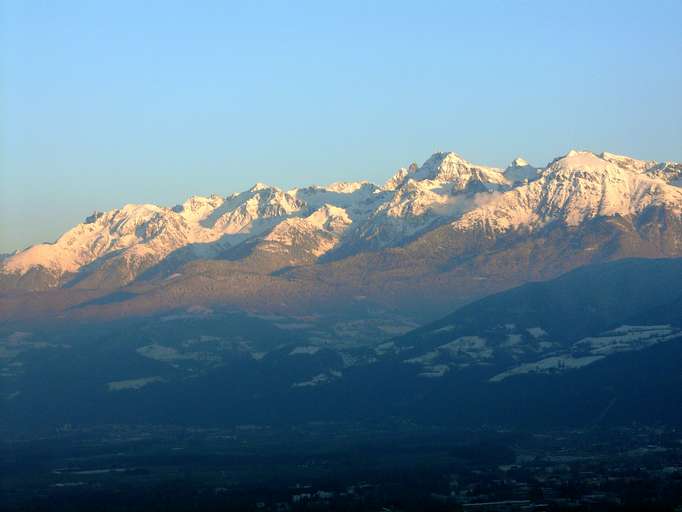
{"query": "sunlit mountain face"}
(431, 238)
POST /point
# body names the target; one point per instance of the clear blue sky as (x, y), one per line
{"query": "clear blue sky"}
(106, 103)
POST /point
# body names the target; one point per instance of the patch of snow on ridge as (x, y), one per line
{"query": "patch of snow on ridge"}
(133, 384)
(320, 378)
(474, 347)
(308, 350)
(295, 326)
(435, 371)
(163, 353)
(386, 348)
(625, 338)
(536, 332)
(548, 365)
(446, 328)
(461, 352)
(425, 358)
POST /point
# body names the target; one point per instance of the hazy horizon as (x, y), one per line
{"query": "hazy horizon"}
(180, 200)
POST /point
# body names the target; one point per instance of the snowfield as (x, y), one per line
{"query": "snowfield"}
(548, 365)
(628, 337)
(132, 384)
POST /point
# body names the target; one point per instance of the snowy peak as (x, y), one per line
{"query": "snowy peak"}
(303, 240)
(452, 168)
(442, 166)
(330, 218)
(239, 212)
(585, 161)
(520, 170)
(357, 195)
(138, 228)
(257, 187)
(197, 208)
(397, 180)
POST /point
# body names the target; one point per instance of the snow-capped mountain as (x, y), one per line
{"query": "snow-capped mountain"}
(299, 226)
(575, 188)
(135, 233)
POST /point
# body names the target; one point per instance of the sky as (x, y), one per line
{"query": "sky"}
(108, 103)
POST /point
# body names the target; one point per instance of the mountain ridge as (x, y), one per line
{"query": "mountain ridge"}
(448, 223)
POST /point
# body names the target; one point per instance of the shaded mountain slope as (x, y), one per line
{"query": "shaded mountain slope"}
(600, 344)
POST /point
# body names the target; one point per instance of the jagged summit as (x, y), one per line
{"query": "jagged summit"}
(397, 179)
(520, 170)
(93, 217)
(584, 160)
(519, 162)
(197, 208)
(258, 186)
(451, 167)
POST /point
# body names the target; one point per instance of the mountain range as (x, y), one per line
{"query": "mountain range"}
(430, 239)
(454, 292)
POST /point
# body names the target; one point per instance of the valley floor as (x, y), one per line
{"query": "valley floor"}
(394, 466)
